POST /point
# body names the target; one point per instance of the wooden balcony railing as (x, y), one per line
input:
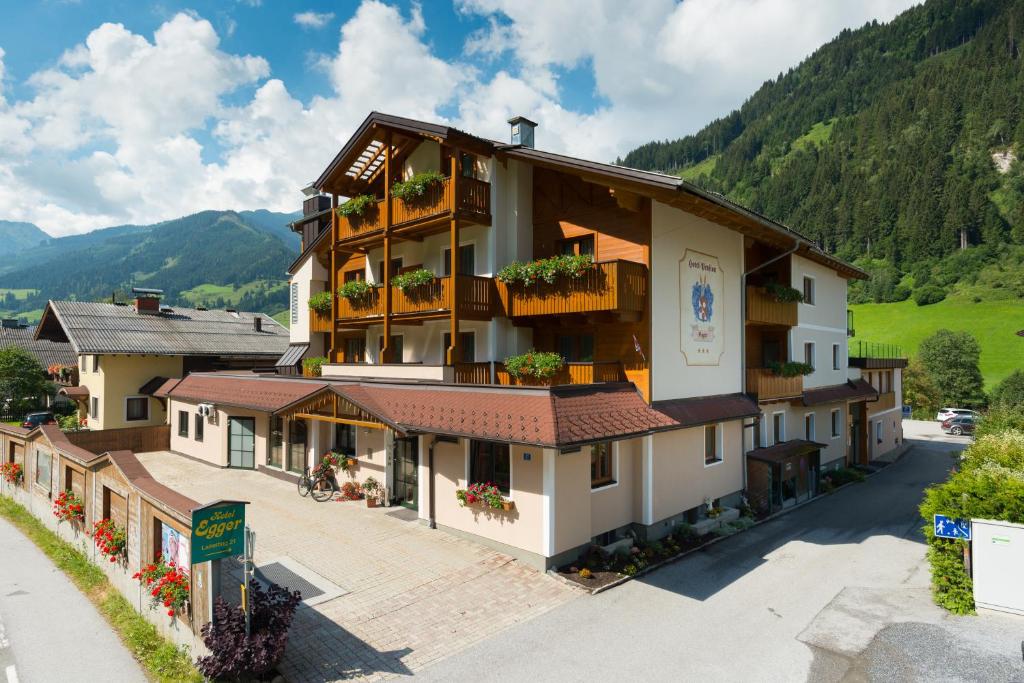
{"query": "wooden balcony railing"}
(610, 286)
(886, 401)
(477, 300)
(571, 373)
(766, 385)
(473, 373)
(319, 322)
(371, 221)
(763, 309)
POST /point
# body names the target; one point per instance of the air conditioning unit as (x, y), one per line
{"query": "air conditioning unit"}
(208, 411)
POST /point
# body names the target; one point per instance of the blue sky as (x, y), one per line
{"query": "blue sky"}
(119, 111)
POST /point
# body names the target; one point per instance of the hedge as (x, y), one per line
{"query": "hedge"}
(988, 485)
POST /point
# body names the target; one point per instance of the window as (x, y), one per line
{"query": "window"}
(355, 350)
(275, 454)
(809, 426)
(576, 348)
(808, 290)
(712, 444)
(601, 473)
(467, 260)
(294, 303)
(82, 363)
(43, 462)
(837, 415)
(345, 439)
(94, 409)
(353, 275)
(489, 462)
(396, 348)
(578, 245)
(809, 353)
(835, 356)
(136, 408)
(779, 427)
(396, 266)
(183, 423)
(96, 363)
(200, 426)
(878, 431)
(883, 382)
(467, 347)
(297, 432)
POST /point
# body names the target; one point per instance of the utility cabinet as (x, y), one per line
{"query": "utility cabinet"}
(998, 565)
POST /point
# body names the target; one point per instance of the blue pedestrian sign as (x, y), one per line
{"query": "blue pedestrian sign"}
(947, 527)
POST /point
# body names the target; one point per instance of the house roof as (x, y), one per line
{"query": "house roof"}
(784, 450)
(851, 390)
(109, 328)
(46, 351)
(692, 412)
(254, 392)
(152, 385)
(292, 355)
(136, 473)
(667, 188)
(79, 392)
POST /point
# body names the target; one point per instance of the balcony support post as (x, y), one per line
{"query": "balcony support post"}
(332, 281)
(453, 347)
(385, 350)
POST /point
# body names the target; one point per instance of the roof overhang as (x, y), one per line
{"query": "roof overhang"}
(851, 390)
(782, 451)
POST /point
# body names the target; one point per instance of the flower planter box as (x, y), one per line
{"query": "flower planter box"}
(371, 502)
(508, 505)
(706, 526)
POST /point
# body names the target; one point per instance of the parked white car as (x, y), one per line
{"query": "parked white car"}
(946, 413)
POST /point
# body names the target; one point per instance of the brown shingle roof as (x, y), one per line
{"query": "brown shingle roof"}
(258, 393)
(785, 449)
(692, 412)
(849, 391)
(74, 392)
(140, 477)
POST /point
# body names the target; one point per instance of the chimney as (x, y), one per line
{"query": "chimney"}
(257, 324)
(147, 301)
(522, 131)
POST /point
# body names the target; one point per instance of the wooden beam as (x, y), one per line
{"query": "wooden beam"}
(453, 346)
(385, 352)
(341, 420)
(332, 280)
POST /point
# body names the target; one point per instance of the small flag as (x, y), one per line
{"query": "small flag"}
(636, 347)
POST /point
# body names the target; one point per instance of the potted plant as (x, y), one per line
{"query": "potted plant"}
(354, 290)
(486, 494)
(320, 302)
(372, 490)
(413, 279)
(167, 584)
(68, 507)
(790, 368)
(357, 206)
(570, 266)
(110, 539)
(415, 187)
(12, 473)
(710, 510)
(536, 364)
(783, 294)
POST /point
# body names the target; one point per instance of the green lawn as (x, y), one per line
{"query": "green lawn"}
(705, 167)
(283, 317)
(208, 293)
(19, 294)
(993, 323)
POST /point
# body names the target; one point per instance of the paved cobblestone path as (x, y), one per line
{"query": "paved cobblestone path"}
(414, 595)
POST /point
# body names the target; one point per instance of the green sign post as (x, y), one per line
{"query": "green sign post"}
(218, 530)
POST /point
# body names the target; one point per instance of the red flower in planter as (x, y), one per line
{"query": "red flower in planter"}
(170, 585)
(67, 507)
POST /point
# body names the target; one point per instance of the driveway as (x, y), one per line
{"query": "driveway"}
(837, 589)
(392, 595)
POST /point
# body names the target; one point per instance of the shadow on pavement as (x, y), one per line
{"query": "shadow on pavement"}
(885, 504)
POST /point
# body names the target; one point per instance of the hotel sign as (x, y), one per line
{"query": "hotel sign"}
(218, 530)
(702, 308)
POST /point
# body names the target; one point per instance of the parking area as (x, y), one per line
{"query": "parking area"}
(407, 595)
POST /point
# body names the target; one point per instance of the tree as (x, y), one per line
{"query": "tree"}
(919, 391)
(1010, 392)
(951, 361)
(22, 380)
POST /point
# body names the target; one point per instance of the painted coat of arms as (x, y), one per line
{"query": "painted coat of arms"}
(701, 284)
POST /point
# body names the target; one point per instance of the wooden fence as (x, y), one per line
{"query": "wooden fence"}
(135, 439)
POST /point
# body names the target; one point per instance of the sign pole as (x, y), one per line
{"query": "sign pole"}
(247, 576)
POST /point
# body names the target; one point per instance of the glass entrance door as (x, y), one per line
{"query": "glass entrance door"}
(407, 471)
(242, 442)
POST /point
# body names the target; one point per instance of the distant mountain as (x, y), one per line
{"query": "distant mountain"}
(244, 253)
(15, 237)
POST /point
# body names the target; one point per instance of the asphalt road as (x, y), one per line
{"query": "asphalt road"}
(818, 594)
(49, 631)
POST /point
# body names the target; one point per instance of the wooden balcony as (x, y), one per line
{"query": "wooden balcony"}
(319, 322)
(477, 300)
(571, 373)
(618, 286)
(763, 309)
(886, 401)
(434, 207)
(768, 386)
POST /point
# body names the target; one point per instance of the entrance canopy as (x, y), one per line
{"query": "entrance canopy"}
(331, 405)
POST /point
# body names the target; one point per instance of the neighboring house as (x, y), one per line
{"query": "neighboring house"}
(57, 358)
(681, 334)
(124, 352)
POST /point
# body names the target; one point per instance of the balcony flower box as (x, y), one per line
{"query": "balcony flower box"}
(549, 270)
(167, 585)
(484, 494)
(417, 186)
(357, 206)
(535, 364)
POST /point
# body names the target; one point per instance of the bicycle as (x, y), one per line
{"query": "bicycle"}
(322, 486)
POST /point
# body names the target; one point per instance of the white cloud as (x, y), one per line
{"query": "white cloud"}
(312, 19)
(114, 130)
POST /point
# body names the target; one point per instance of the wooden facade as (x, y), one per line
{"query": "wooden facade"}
(768, 386)
(764, 309)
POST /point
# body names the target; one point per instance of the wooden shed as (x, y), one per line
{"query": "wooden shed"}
(783, 475)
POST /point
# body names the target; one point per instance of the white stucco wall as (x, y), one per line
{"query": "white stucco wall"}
(121, 376)
(311, 277)
(673, 232)
(823, 323)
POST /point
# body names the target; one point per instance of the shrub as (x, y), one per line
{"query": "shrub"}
(413, 279)
(416, 186)
(630, 570)
(929, 294)
(790, 368)
(320, 302)
(313, 365)
(355, 289)
(538, 364)
(549, 270)
(357, 206)
(235, 656)
(69, 423)
(782, 293)
(1009, 393)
